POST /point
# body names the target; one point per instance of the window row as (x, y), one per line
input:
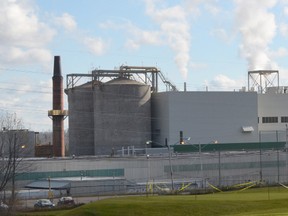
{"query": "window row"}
(274, 119)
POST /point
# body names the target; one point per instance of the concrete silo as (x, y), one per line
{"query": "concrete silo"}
(81, 122)
(122, 115)
(113, 110)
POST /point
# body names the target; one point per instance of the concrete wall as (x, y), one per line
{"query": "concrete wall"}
(81, 122)
(218, 168)
(122, 112)
(204, 116)
(109, 116)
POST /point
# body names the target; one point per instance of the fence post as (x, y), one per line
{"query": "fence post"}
(261, 168)
(219, 165)
(278, 171)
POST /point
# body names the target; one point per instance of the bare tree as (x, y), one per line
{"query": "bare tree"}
(13, 139)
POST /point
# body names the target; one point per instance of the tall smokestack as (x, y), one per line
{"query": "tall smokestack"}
(58, 114)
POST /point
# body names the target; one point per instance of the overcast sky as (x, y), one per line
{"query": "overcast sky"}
(205, 43)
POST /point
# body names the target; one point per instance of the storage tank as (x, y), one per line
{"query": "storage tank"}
(81, 122)
(122, 115)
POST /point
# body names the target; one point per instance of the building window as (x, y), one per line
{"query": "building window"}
(269, 119)
(284, 119)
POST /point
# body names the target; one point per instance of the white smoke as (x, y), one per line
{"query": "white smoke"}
(175, 26)
(224, 83)
(257, 27)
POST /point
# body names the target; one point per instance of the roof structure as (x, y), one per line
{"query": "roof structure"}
(49, 184)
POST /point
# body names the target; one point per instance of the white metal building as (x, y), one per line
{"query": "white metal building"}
(220, 117)
(206, 117)
(273, 109)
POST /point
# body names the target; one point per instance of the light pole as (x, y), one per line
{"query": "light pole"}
(286, 143)
(182, 142)
(286, 147)
(260, 156)
(148, 167)
(50, 193)
(219, 161)
(219, 166)
(200, 157)
(170, 164)
(147, 144)
(148, 174)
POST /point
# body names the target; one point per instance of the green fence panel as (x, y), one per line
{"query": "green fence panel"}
(228, 147)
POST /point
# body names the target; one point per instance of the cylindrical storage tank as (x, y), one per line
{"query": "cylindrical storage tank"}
(122, 116)
(81, 122)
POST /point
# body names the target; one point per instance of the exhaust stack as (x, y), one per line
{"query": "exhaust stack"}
(58, 114)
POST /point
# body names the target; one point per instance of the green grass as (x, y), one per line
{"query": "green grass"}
(252, 202)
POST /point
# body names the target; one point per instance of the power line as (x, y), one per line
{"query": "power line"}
(24, 71)
(31, 91)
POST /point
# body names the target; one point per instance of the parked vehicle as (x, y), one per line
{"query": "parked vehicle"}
(44, 203)
(66, 201)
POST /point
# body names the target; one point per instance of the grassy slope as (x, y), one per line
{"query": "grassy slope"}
(252, 202)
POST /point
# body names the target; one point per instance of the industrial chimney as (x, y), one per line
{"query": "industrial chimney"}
(58, 114)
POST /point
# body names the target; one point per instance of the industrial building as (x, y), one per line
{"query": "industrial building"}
(125, 134)
(19, 143)
(117, 109)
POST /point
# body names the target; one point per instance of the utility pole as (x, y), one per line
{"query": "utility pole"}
(14, 167)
